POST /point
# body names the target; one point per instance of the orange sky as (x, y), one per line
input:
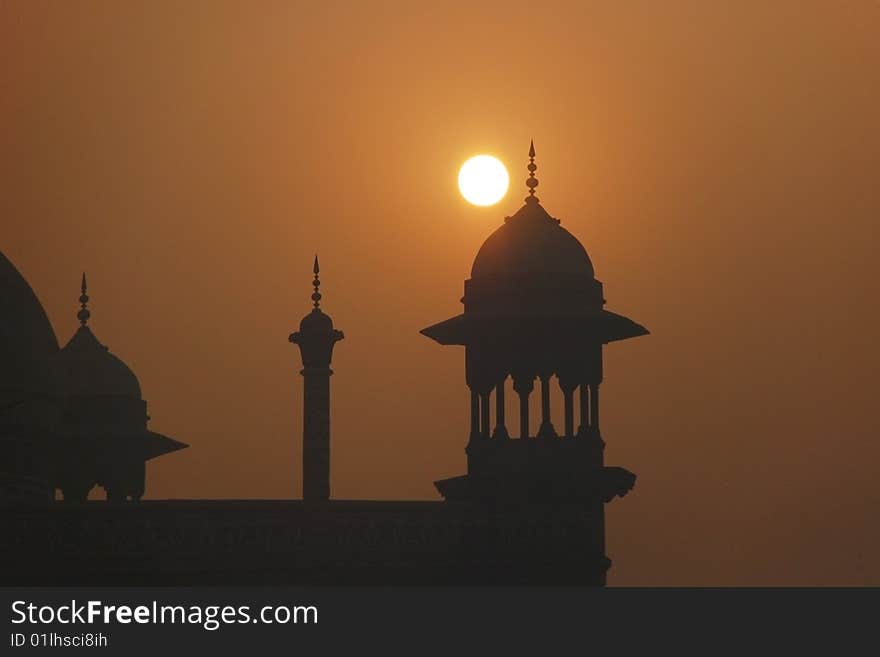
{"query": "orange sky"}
(719, 164)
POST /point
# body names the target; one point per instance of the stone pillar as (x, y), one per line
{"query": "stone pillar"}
(584, 408)
(138, 480)
(594, 438)
(546, 429)
(567, 388)
(475, 416)
(523, 384)
(500, 421)
(484, 414)
(594, 408)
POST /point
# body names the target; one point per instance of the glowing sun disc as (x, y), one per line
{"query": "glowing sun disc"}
(483, 180)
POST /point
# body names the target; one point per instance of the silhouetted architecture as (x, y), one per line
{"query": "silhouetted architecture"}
(29, 395)
(105, 440)
(70, 418)
(533, 310)
(316, 337)
(529, 510)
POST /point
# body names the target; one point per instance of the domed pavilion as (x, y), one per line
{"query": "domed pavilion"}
(106, 440)
(534, 311)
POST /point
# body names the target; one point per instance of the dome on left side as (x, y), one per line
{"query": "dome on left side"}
(27, 340)
(86, 367)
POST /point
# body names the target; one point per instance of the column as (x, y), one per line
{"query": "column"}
(500, 421)
(568, 395)
(594, 408)
(484, 414)
(597, 445)
(546, 429)
(475, 415)
(584, 404)
(523, 384)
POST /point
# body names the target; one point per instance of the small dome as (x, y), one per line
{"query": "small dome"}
(87, 367)
(531, 242)
(27, 340)
(316, 321)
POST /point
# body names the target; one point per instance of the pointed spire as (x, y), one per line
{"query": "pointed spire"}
(316, 295)
(531, 181)
(83, 314)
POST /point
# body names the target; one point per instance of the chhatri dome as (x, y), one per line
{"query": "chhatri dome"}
(531, 241)
(316, 335)
(88, 368)
(533, 268)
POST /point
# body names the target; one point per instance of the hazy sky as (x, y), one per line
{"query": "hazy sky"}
(719, 161)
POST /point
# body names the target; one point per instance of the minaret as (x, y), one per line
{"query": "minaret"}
(316, 337)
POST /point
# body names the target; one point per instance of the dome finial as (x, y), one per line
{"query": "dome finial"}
(531, 181)
(83, 314)
(316, 296)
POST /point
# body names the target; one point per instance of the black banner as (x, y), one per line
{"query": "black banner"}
(413, 621)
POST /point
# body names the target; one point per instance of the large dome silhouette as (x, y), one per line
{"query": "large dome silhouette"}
(27, 340)
(531, 242)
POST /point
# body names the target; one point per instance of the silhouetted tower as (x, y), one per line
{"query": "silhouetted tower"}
(533, 309)
(316, 337)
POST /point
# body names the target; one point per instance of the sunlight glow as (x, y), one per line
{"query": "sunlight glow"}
(483, 180)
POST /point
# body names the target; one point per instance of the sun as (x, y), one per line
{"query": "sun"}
(483, 180)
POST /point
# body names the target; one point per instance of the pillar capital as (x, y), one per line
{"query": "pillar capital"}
(524, 382)
(568, 381)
